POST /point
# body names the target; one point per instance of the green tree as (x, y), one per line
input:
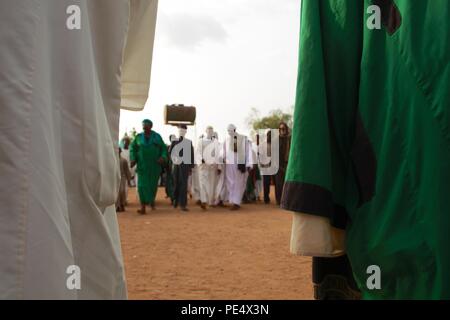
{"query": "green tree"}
(270, 121)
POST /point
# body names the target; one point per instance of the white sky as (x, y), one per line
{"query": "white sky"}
(224, 57)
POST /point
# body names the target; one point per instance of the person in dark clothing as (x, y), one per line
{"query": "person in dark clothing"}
(284, 148)
(169, 175)
(267, 179)
(182, 167)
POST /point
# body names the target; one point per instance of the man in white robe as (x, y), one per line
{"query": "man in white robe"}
(194, 184)
(126, 156)
(220, 194)
(258, 177)
(66, 69)
(208, 171)
(238, 161)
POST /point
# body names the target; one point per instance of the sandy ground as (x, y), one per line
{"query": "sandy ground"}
(213, 254)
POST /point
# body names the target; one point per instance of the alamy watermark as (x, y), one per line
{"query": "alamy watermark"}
(374, 280)
(73, 281)
(73, 21)
(236, 149)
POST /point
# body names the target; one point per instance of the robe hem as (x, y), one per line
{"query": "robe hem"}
(315, 200)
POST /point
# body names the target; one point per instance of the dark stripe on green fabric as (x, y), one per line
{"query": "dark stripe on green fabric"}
(364, 162)
(390, 15)
(315, 200)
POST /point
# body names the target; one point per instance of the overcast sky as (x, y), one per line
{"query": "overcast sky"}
(224, 57)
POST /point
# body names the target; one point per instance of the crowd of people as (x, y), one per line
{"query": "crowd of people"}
(213, 173)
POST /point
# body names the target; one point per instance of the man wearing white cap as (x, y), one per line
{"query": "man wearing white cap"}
(238, 160)
(220, 194)
(207, 161)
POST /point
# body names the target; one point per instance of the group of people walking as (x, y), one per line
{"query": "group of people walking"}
(213, 173)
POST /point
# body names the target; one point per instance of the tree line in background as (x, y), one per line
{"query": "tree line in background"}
(254, 121)
(270, 121)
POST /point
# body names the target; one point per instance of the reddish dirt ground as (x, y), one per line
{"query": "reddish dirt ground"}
(213, 254)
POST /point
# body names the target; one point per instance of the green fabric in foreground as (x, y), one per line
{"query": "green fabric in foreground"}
(371, 138)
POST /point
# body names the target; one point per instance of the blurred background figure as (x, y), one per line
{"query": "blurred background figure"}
(149, 153)
(169, 170)
(126, 142)
(267, 179)
(284, 149)
(207, 167)
(259, 178)
(182, 156)
(237, 164)
(125, 178)
(220, 194)
(250, 195)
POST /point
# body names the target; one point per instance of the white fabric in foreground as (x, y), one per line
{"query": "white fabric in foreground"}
(314, 236)
(60, 95)
(138, 54)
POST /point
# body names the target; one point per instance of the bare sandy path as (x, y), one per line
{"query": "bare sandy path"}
(214, 254)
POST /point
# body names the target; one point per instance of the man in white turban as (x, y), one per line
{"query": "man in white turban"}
(238, 160)
(220, 194)
(67, 67)
(207, 162)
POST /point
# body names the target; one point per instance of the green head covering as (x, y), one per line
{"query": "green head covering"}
(147, 121)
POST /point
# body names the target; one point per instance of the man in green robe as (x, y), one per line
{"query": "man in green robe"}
(149, 152)
(370, 154)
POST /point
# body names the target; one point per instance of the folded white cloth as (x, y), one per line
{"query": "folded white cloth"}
(315, 236)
